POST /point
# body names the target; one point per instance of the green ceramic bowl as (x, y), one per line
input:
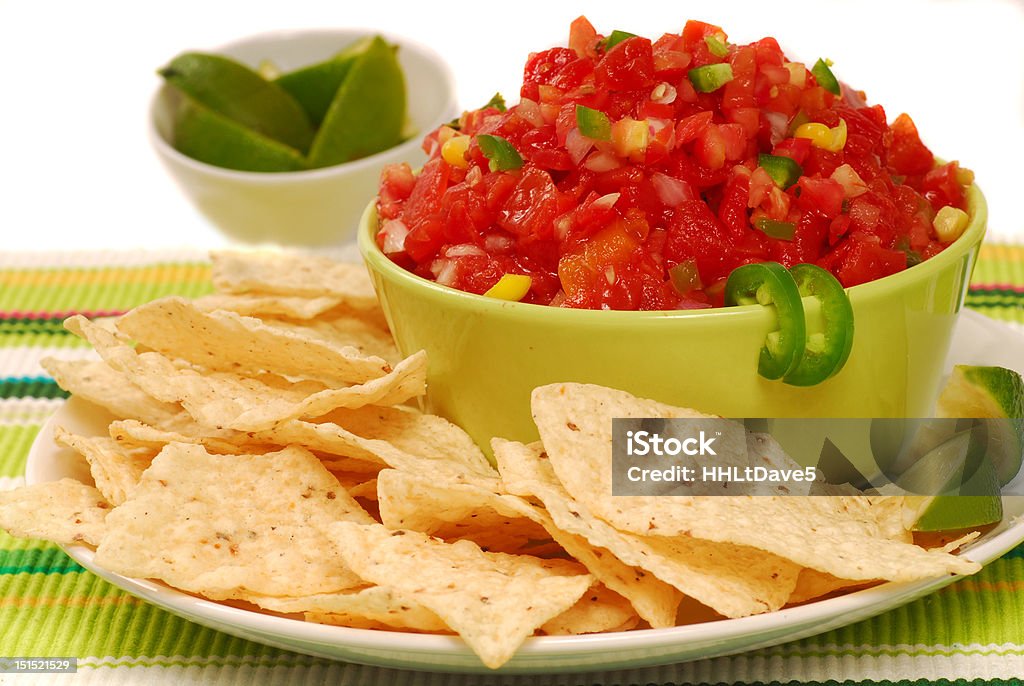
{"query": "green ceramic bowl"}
(487, 355)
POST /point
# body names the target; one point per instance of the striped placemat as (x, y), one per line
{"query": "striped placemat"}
(970, 632)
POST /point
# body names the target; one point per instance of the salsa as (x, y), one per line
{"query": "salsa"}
(638, 174)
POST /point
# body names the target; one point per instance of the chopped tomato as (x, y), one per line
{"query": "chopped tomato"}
(598, 205)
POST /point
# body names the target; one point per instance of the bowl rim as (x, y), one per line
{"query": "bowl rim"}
(377, 261)
(428, 54)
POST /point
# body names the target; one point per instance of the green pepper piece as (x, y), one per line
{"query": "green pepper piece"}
(768, 283)
(500, 152)
(685, 277)
(784, 170)
(716, 47)
(798, 120)
(826, 351)
(772, 228)
(616, 37)
(497, 101)
(710, 77)
(593, 123)
(824, 76)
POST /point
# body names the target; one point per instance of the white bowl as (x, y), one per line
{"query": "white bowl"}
(316, 207)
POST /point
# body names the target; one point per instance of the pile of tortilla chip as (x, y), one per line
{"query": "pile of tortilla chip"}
(263, 448)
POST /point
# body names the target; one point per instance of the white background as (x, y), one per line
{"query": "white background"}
(77, 171)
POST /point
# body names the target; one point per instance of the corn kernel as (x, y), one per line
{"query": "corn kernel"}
(823, 137)
(510, 287)
(950, 223)
(454, 151)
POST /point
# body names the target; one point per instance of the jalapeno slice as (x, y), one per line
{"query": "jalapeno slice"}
(769, 284)
(825, 351)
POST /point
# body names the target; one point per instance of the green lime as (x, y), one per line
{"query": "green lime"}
(995, 393)
(314, 86)
(368, 111)
(958, 487)
(210, 137)
(239, 93)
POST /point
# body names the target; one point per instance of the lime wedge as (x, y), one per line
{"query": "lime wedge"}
(959, 487)
(368, 111)
(239, 93)
(313, 87)
(990, 392)
(202, 134)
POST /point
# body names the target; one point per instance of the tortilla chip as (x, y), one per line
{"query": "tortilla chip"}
(227, 526)
(419, 502)
(598, 610)
(224, 400)
(834, 534)
(493, 601)
(736, 581)
(100, 384)
(226, 342)
(812, 584)
(66, 512)
(133, 434)
(293, 274)
(256, 305)
(369, 339)
(377, 604)
(115, 469)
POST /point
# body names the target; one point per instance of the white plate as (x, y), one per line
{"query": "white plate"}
(978, 340)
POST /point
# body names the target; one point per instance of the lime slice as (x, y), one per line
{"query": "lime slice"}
(314, 87)
(209, 137)
(959, 487)
(237, 92)
(990, 392)
(368, 111)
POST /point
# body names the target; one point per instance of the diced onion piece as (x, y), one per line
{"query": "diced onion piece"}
(512, 287)
(779, 123)
(847, 177)
(602, 162)
(577, 145)
(394, 232)
(530, 111)
(609, 275)
(445, 271)
(606, 202)
(664, 94)
(463, 250)
(497, 243)
(671, 191)
(950, 223)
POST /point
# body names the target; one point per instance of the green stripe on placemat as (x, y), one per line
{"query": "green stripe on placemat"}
(30, 387)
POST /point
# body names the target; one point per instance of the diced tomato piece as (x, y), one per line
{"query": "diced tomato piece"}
(866, 261)
(583, 37)
(543, 68)
(823, 196)
(941, 187)
(628, 66)
(531, 208)
(907, 154)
